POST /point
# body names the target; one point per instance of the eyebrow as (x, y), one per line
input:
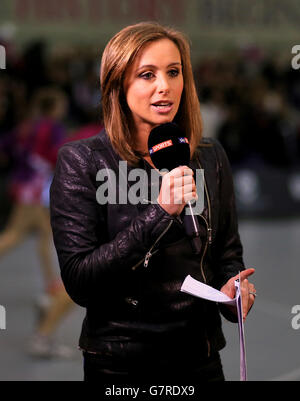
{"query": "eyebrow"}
(155, 67)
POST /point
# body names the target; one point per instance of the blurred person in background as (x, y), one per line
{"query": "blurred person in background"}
(250, 104)
(32, 146)
(6, 124)
(90, 128)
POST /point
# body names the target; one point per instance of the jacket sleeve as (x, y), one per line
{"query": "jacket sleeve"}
(87, 261)
(230, 250)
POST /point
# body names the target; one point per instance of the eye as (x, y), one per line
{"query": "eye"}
(146, 75)
(174, 72)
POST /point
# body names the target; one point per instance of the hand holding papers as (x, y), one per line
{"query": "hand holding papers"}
(201, 290)
(198, 289)
(247, 289)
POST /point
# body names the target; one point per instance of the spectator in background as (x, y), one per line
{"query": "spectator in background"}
(33, 146)
(92, 127)
(212, 111)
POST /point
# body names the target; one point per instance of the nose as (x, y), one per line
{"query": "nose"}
(163, 84)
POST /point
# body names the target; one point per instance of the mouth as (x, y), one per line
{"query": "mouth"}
(163, 106)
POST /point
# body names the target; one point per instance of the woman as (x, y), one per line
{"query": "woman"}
(126, 262)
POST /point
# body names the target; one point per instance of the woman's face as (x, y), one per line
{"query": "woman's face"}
(153, 85)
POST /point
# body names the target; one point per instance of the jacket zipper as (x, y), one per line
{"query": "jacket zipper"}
(208, 347)
(204, 252)
(209, 229)
(208, 241)
(208, 225)
(151, 252)
(204, 278)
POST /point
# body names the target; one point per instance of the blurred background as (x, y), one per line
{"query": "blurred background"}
(249, 90)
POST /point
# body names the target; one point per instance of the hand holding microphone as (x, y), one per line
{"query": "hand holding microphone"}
(169, 149)
(177, 189)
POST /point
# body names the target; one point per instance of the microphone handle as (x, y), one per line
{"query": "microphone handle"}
(192, 230)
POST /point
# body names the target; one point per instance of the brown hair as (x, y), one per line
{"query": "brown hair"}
(119, 53)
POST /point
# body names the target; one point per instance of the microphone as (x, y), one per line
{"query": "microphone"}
(168, 149)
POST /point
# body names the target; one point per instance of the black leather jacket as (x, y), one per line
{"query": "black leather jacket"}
(125, 263)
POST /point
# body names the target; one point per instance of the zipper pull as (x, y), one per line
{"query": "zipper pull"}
(209, 235)
(178, 218)
(147, 257)
(149, 254)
